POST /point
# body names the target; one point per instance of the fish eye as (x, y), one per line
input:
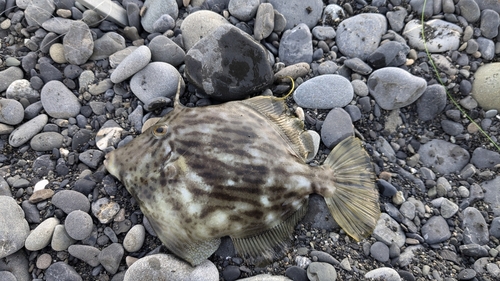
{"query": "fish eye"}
(160, 130)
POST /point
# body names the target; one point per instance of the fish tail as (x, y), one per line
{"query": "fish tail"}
(354, 204)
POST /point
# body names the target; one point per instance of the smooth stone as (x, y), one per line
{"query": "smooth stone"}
(358, 66)
(436, 230)
(61, 239)
(57, 25)
(107, 45)
(10, 75)
(105, 210)
(264, 21)
(475, 227)
(383, 273)
(165, 50)
(324, 92)
(169, 267)
(78, 225)
(469, 9)
(389, 231)
(164, 23)
(154, 9)
(418, 6)
(379, 251)
(473, 250)
(134, 239)
(91, 157)
(391, 53)
(243, 10)
(297, 12)
(490, 21)
(157, 79)
(38, 11)
(61, 271)
(198, 25)
(444, 157)
(295, 71)
(486, 48)
(40, 195)
(26, 131)
(448, 209)
(78, 43)
(11, 111)
(246, 68)
(116, 58)
(337, 126)
(43, 261)
(396, 18)
(21, 89)
(266, 277)
(495, 227)
(451, 128)
(486, 87)
(7, 276)
(131, 64)
(324, 32)
(108, 10)
(56, 52)
(14, 228)
(58, 101)
(296, 45)
(393, 87)
(91, 18)
(445, 36)
(48, 72)
(111, 256)
(431, 103)
(88, 254)
(46, 141)
(321, 271)
(360, 35)
(485, 159)
(41, 236)
(70, 200)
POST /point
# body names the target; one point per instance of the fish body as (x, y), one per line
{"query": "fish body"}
(239, 169)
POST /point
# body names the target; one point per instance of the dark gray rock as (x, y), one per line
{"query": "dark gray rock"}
(490, 20)
(264, 21)
(107, 45)
(431, 103)
(243, 10)
(475, 227)
(91, 157)
(391, 53)
(436, 230)
(163, 23)
(469, 9)
(396, 18)
(337, 126)
(486, 47)
(228, 64)
(485, 159)
(70, 200)
(165, 50)
(111, 256)
(443, 156)
(38, 12)
(60, 271)
(296, 45)
(452, 128)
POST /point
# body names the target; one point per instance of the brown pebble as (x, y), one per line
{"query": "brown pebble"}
(41, 195)
(472, 128)
(43, 261)
(385, 175)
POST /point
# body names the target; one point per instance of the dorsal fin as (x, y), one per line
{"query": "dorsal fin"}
(269, 242)
(290, 127)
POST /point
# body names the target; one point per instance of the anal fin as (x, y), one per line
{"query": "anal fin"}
(269, 242)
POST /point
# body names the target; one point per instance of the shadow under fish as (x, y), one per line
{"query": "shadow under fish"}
(239, 169)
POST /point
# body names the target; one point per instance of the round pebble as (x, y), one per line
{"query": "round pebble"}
(337, 126)
(296, 45)
(62, 271)
(11, 112)
(198, 25)
(436, 230)
(134, 239)
(58, 101)
(78, 225)
(70, 200)
(41, 236)
(324, 92)
(485, 88)
(43, 261)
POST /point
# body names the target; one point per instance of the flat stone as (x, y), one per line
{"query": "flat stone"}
(110, 258)
(91, 157)
(469, 9)
(10, 75)
(324, 92)
(445, 36)
(431, 103)
(78, 225)
(107, 45)
(298, 11)
(444, 157)
(58, 101)
(243, 10)
(246, 68)
(475, 227)
(165, 50)
(14, 228)
(171, 268)
(88, 254)
(26, 131)
(62, 271)
(436, 230)
(21, 89)
(296, 45)
(40, 237)
(486, 86)
(46, 141)
(389, 231)
(264, 21)
(131, 64)
(154, 9)
(337, 126)
(321, 271)
(61, 239)
(383, 273)
(11, 111)
(38, 11)
(70, 200)
(108, 10)
(78, 43)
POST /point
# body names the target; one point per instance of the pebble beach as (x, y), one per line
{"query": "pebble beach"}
(79, 78)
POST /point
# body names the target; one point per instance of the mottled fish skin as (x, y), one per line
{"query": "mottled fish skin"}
(226, 170)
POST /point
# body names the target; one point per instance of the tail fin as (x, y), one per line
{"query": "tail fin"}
(354, 205)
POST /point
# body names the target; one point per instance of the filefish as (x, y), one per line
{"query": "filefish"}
(239, 169)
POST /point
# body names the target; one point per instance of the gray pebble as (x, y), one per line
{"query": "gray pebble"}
(380, 251)
(475, 227)
(486, 47)
(436, 230)
(226, 44)
(46, 141)
(41, 236)
(38, 12)
(78, 225)
(431, 103)
(14, 229)
(131, 64)
(473, 250)
(495, 227)
(389, 231)
(107, 45)
(469, 10)
(91, 157)
(57, 25)
(105, 210)
(154, 9)
(418, 5)
(264, 21)
(198, 25)
(7, 276)
(354, 112)
(111, 256)
(10, 75)
(391, 53)
(134, 239)
(383, 273)
(62, 271)
(61, 239)
(297, 11)
(70, 200)
(393, 87)
(157, 79)
(324, 92)
(485, 159)
(26, 131)
(485, 86)
(21, 89)
(78, 43)
(337, 126)
(490, 20)
(31, 212)
(49, 72)
(443, 156)
(164, 23)
(448, 209)
(396, 18)
(165, 50)
(360, 88)
(359, 66)
(360, 35)
(243, 10)
(321, 271)
(296, 45)
(88, 254)
(58, 101)
(324, 257)
(445, 36)
(332, 14)
(323, 32)
(327, 67)
(11, 112)
(171, 268)
(451, 128)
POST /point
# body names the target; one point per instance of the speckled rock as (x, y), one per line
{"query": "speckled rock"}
(443, 156)
(198, 25)
(486, 86)
(13, 227)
